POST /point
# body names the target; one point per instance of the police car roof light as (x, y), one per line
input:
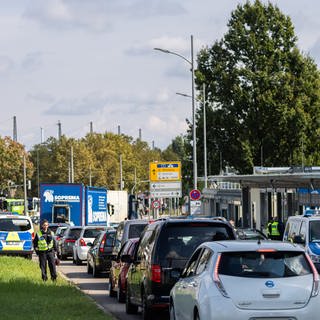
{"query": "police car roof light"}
(310, 212)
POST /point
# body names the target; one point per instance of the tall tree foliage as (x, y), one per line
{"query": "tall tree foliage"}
(96, 159)
(263, 93)
(12, 156)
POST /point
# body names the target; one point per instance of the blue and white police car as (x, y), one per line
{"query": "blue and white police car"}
(16, 235)
(305, 231)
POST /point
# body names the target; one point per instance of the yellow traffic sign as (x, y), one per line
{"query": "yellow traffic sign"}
(165, 171)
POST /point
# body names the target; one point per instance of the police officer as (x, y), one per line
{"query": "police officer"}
(43, 244)
(275, 228)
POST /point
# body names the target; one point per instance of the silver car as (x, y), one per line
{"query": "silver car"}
(244, 280)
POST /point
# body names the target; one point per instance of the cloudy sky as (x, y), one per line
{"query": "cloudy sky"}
(82, 61)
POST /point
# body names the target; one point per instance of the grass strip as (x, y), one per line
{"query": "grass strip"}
(24, 295)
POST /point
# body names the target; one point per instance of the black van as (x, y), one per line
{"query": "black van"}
(164, 248)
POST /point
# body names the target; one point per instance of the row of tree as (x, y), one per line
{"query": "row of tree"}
(263, 108)
(92, 160)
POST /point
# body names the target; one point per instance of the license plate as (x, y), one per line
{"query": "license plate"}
(13, 243)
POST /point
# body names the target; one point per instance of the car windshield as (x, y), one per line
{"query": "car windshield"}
(179, 241)
(315, 231)
(278, 264)
(135, 230)
(9, 224)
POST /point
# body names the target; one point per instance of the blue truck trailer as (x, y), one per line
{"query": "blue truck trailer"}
(73, 203)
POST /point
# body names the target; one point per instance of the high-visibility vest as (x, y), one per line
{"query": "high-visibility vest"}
(274, 229)
(42, 243)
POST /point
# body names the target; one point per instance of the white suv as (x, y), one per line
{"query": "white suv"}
(247, 280)
(80, 248)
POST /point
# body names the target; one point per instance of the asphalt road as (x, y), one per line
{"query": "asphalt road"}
(96, 288)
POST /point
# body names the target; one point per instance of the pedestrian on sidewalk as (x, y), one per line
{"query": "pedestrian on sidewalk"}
(43, 244)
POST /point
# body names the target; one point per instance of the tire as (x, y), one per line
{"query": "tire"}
(196, 315)
(121, 297)
(112, 293)
(78, 261)
(172, 313)
(146, 310)
(130, 308)
(89, 268)
(59, 255)
(95, 272)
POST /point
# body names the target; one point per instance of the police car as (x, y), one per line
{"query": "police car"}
(305, 231)
(16, 235)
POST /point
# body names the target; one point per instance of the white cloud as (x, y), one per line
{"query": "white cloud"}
(93, 60)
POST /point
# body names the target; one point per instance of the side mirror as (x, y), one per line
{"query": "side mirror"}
(298, 240)
(89, 244)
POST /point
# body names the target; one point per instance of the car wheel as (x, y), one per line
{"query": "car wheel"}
(172, 312)
(95, 271)
(196, 315)
(120, 294)
(146, 311)
(78, 261)
(89, 268)
(112, 293)
(130, 308)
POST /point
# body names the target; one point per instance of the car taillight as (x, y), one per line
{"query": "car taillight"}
(32, 235)
(315, 288)
(102, 245)
(156, 273)
(58, 238)
(82, 243)
(217, 280)
(70, 240)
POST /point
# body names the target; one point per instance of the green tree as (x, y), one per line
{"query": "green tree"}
(12, 154)
(263, 92)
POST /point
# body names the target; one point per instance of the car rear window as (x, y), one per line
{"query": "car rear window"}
(135, 230)
(177, 243)
(92, 233)
(9, 224)
(278, 264)
(74, 233)
(109, 239)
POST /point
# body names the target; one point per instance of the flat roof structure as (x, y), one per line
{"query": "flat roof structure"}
(269, 180)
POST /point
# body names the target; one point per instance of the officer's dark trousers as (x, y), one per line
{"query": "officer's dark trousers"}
(44, 258)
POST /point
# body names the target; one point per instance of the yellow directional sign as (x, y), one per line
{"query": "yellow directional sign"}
(165, 171)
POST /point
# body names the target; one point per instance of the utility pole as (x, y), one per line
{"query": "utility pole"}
(140, 134)
(90, 177)
(41, 135)
(119, 131)
(121, 182)
(15, 135)
(72, 169)
(91, 127)
(59, 130)
(25, 186)
(205, 138)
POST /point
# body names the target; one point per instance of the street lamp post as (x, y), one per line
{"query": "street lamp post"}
(194, 144)
(204, 101)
